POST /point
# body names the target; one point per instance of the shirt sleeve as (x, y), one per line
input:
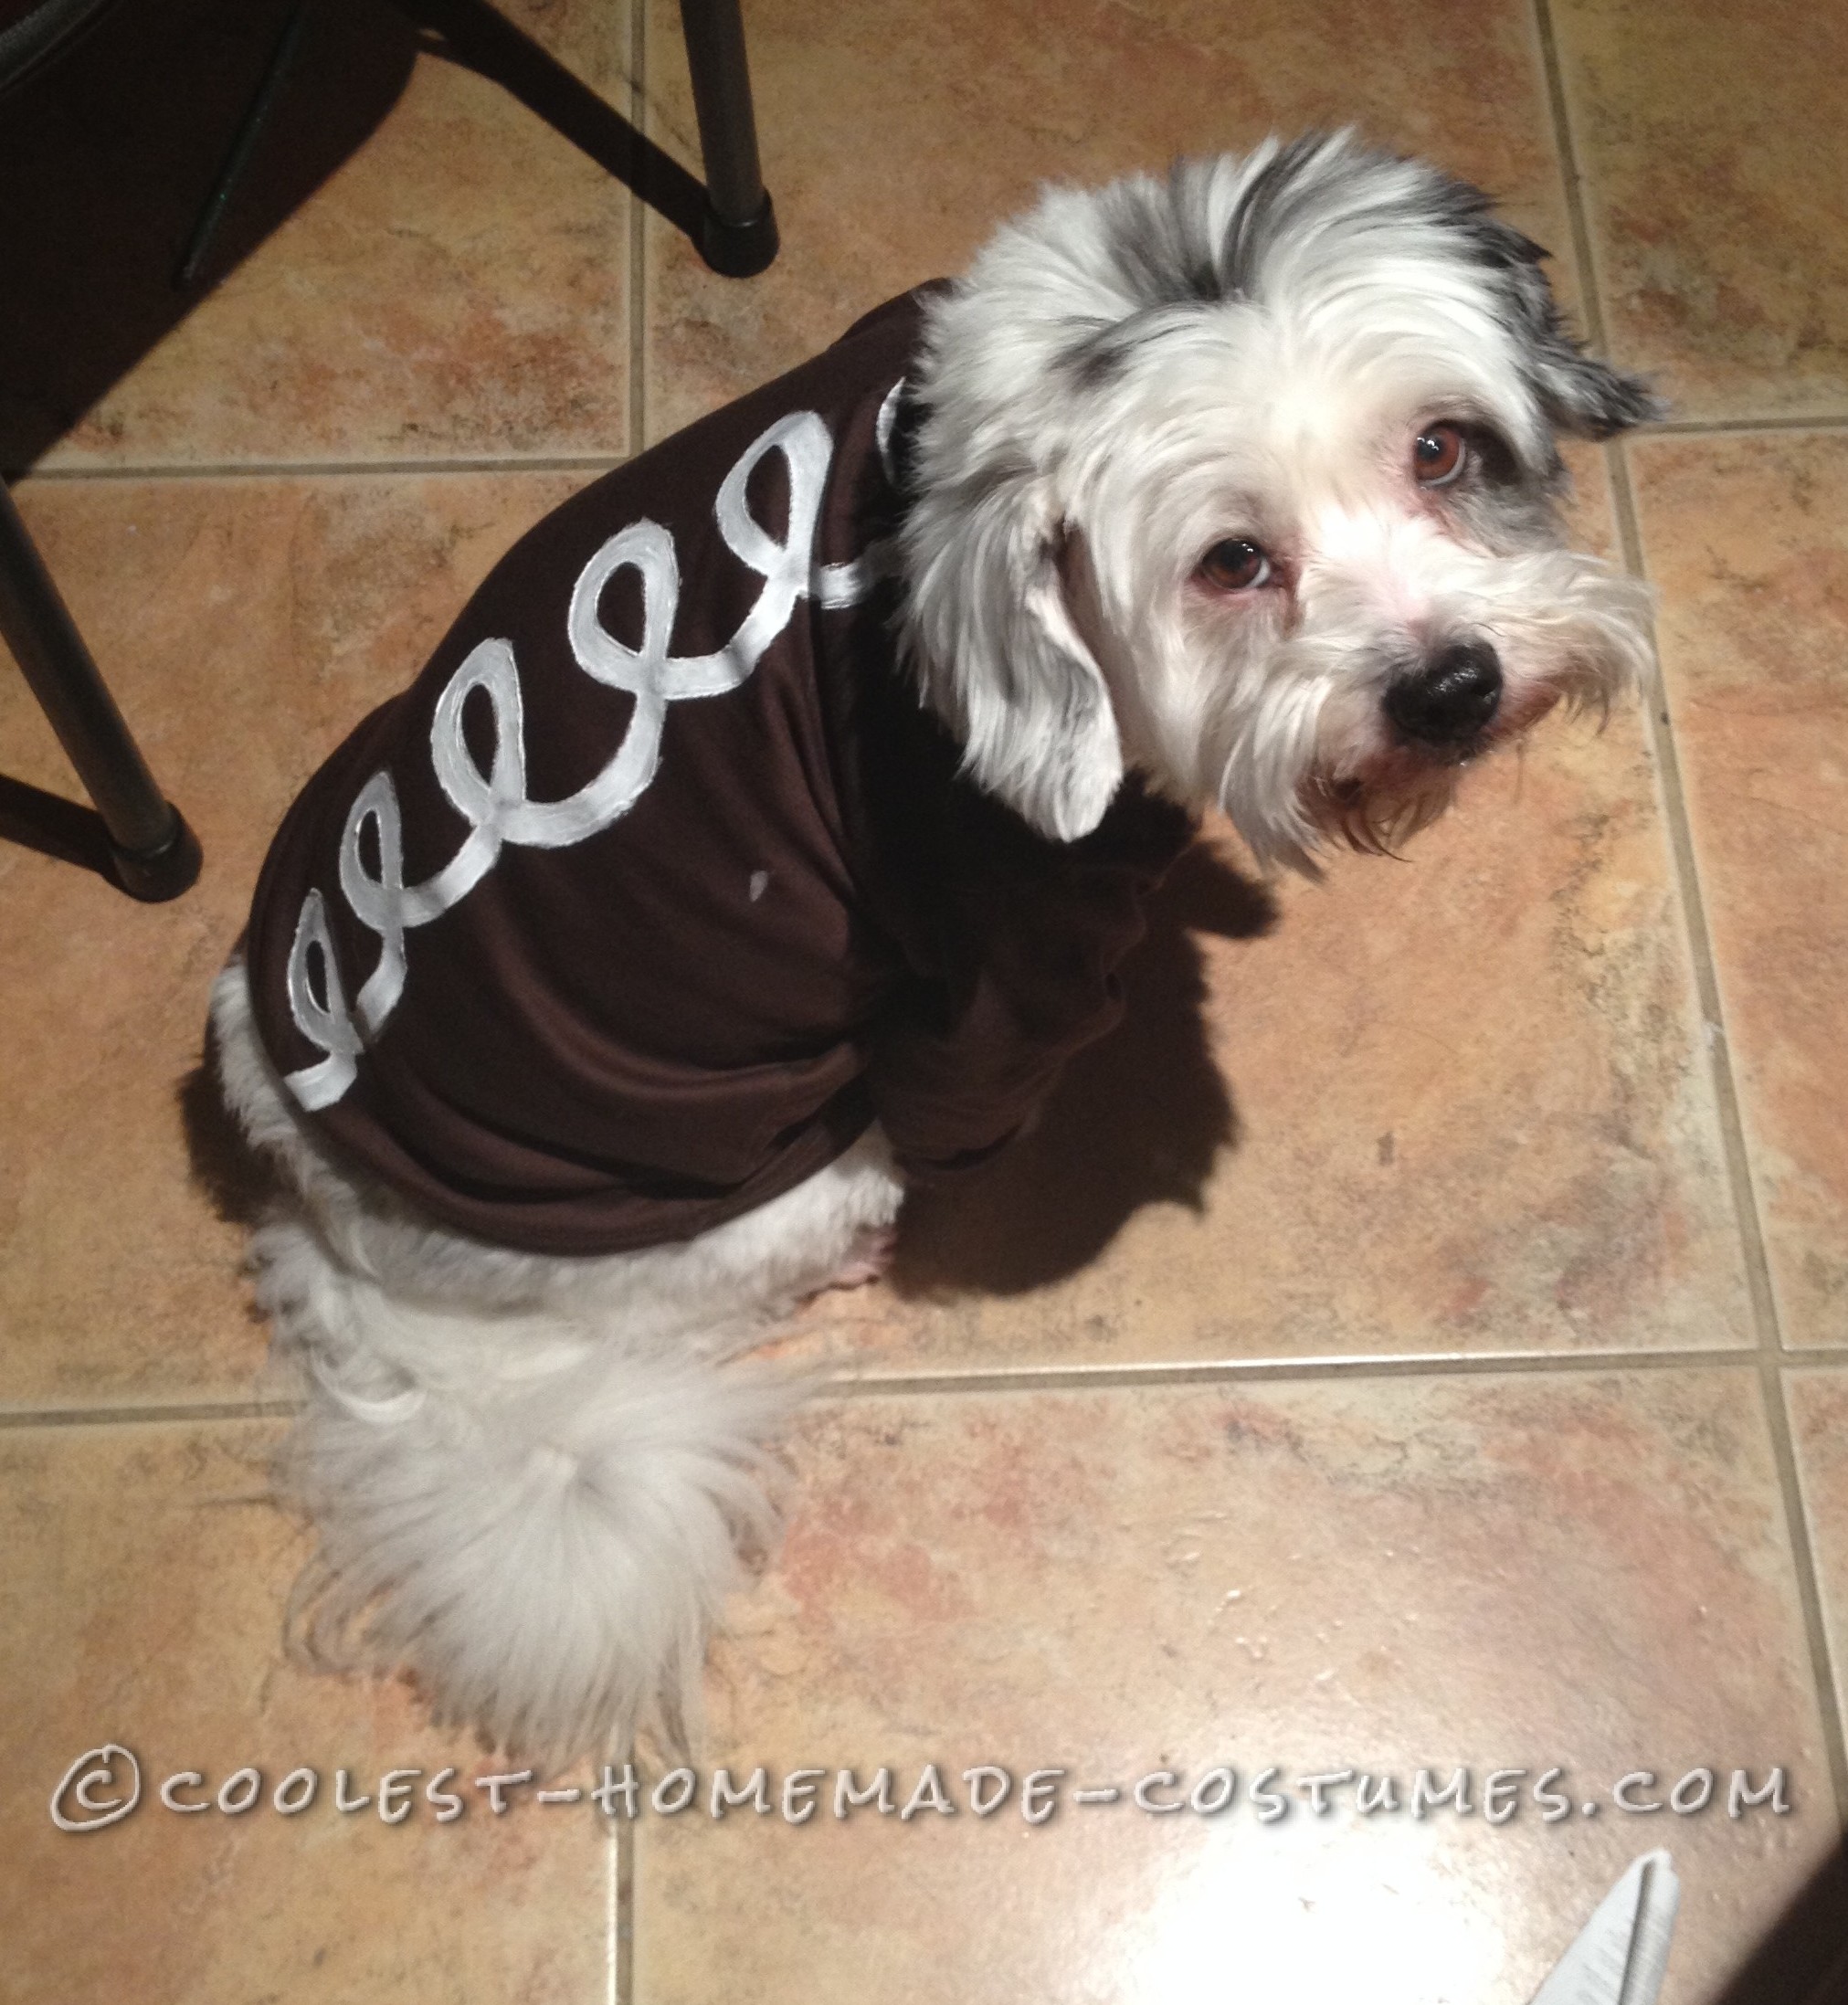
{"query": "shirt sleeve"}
(1015, 970)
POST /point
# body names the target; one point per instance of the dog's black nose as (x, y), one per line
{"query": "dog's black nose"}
(1452, 701)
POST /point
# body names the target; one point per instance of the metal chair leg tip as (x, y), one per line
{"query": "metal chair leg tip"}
(154, 876)
(739, 250)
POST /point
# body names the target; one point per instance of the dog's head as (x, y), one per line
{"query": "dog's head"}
(1248, 479)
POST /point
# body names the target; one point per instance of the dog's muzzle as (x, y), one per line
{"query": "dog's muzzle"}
(1449, 705)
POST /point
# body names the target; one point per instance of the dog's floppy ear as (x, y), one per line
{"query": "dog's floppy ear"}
(1578, 393)
(1001, 661)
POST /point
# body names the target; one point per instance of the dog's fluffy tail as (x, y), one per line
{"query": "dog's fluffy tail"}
(536, 1481)
(541, 1525)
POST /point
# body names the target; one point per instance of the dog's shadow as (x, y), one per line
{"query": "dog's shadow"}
(1139, 1119)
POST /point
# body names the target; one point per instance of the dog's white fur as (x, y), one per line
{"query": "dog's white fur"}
(1357, 301)
(533, 1478)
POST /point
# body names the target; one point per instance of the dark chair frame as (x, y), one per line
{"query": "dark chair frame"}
(143, 840)
(150, 851)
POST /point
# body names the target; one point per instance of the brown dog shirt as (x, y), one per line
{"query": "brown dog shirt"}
(659, 884)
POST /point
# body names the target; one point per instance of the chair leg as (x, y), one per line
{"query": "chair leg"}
(155, 855)
(237, 160)
(738, 231)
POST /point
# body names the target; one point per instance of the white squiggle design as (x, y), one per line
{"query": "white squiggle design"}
(324, 1023)
(881, 432)
(843, 584)
(495, 803)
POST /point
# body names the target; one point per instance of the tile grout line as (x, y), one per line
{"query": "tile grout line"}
(1666, 758)
(153, 1413)
(1152, 1375)
(1779, 1387)
(1571, 182)
(1231, 1372)
(611, 1993)
(1703, 964)
(637, 234)
(300, 470)
(602, 462)
(1770, 1351)
(1773, 1353)
(1809, 1585)
(626, 1840)
(1730, 427)
(1662, 748)
(1145, 1377)
(620, 1985)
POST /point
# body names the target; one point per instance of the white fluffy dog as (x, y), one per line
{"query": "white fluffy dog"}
(1240, 483)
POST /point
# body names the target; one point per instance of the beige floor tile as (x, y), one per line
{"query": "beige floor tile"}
(894, 141)
(1747, 540)
(458, 287)
(1520, 1572)
(1818, 1425)
(1461, 1105)
(1715, 152)
(142, 1603)
(246, 626)
(1459, 1102)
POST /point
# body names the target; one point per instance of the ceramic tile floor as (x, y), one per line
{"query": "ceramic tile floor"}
(1418, 1340)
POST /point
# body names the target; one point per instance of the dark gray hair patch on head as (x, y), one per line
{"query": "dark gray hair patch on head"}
(1171, 259)
(1101, 350)
(1164, 250)
(1166, 257)
(1283, 195)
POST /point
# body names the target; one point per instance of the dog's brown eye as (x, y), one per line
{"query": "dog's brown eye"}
(1438, 456)
(1235, 566)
